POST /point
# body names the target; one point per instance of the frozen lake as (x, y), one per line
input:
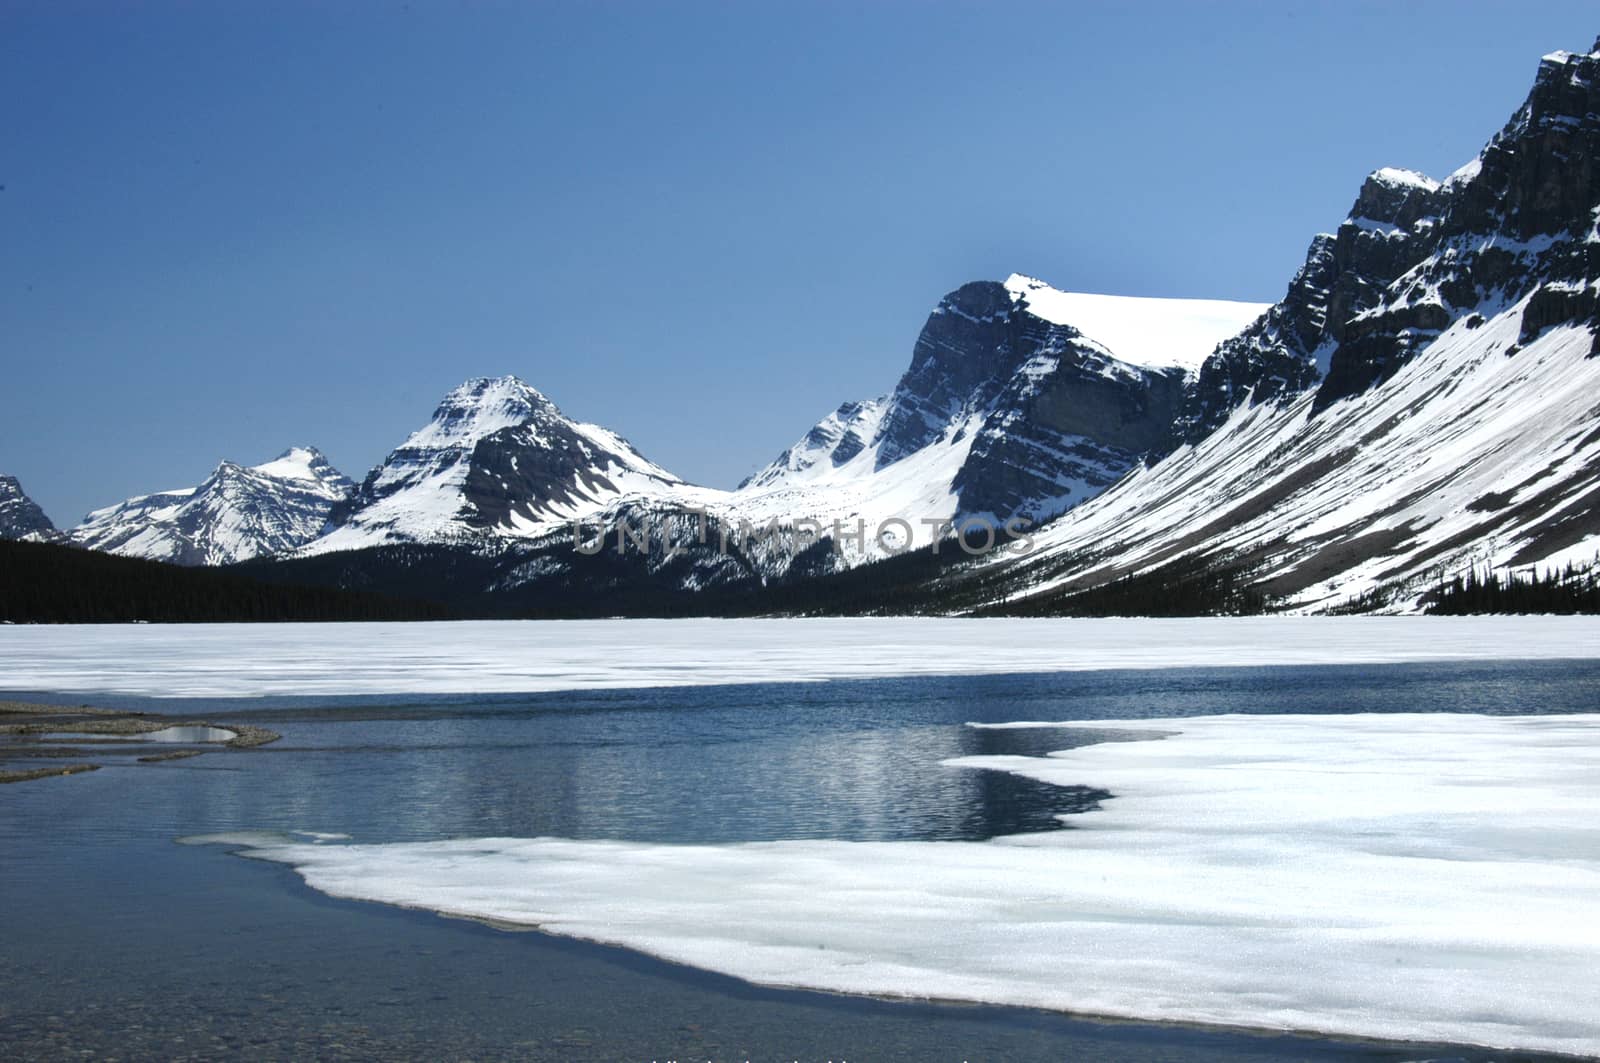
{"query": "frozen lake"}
(1400, 849)
(480, 657)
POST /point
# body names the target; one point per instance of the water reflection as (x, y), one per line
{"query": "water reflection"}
(858, 760)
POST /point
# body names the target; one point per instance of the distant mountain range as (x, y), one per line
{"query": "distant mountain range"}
(1423, 401)
(1006, 411)
(239, 512)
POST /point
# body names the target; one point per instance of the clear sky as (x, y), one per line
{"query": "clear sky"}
(227, 228)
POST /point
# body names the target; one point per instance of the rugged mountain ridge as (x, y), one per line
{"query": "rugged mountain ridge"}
(237, 513)
(1006, 410)
(20, 516)
(1457, 425)
(1414, 254)
(1288, 350)
(1424, 399)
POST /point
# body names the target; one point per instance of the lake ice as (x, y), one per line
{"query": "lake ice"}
(257, 660)
(1411, 876)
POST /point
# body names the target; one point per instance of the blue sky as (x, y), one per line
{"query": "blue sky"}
(229, 228)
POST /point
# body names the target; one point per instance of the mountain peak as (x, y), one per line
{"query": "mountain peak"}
(480, 407)
(493, 388)
(1398, 176)
(237, 513)
(979, 302)
(497, 458)
(302, 455)
(20, 516)
(1562, 103)
(303, 463)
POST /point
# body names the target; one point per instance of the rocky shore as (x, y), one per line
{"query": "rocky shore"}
(31, 731)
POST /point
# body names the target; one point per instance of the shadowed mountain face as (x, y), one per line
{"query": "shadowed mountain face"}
(973, 343)
(20, 516)
(1036, 410)
(1057, 417)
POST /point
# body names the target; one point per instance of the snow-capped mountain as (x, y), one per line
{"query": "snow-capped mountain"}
(497, 460)
(238, 513)
(1020, 401)
(1007, 410)
(1425, 398)
(20, 516)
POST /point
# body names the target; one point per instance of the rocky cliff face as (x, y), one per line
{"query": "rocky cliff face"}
(20, 516)
(972, 344)
(1416, 255)
(238, 513)
(1345, 274)
(1516, 223)
(1013, 406)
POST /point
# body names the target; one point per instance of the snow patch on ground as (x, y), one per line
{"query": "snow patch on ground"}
(1428, 877)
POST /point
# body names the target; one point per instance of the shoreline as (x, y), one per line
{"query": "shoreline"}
(69, 732)
(1090, 1017)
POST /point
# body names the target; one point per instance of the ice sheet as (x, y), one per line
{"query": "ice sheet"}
(258, 660)
(1430, 877)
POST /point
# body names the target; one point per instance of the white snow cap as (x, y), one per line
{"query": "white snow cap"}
(296, 463)
(479, 407)
(1153, 333)
(1394, 175)
(1562, 57)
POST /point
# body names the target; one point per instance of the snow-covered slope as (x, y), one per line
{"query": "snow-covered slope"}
(1020, 401)
(497, 459)
(1457, 423)
(238, 513)
(20, 516)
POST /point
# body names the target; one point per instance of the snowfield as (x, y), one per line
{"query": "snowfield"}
(265, 660)
(1424, 877)
(1153, 333)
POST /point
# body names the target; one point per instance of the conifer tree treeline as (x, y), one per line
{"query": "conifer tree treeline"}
(46, 584)
(1570, 590)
